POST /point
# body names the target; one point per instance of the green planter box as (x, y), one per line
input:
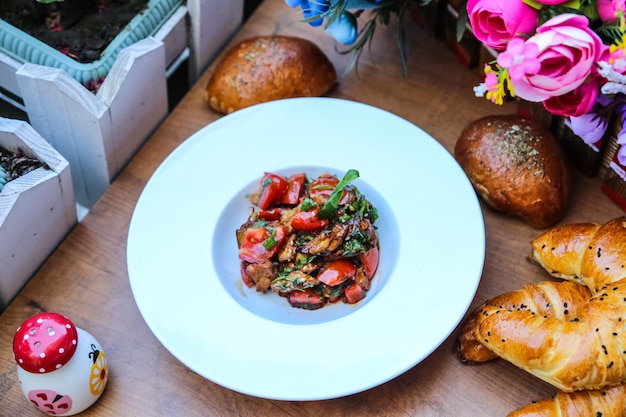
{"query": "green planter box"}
(26, 49)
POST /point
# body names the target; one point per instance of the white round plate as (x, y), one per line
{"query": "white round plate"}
(184, 270)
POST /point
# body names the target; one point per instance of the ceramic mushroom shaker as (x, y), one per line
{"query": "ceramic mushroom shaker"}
(61, 368)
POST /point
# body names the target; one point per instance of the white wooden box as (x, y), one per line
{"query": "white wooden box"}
(98, 134)
(37, 210)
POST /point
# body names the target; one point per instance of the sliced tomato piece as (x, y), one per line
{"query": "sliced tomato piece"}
(272, 189)
(369, 260)
(337, 272)
(353, 294)
(271, 214)
(308, 221)
(306, 299)
(259, 244)
(323, 185)
(294, 191)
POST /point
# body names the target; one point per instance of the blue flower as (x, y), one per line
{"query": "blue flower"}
(311, 8)
(344, 29)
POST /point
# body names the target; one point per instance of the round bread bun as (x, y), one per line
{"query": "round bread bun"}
(517, 167)
(266, 68)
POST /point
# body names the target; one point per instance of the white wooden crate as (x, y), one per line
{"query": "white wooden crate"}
(37, 210)
(98, 134)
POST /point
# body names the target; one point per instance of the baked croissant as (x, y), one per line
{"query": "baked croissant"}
(608, 402)
(570, 335)
(590, 254)
(547, 299)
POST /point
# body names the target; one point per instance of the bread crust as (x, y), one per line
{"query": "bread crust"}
(590, 254)
(546, 299)
(517, 167)
(571, 334)
(606, 402)
(266, 68)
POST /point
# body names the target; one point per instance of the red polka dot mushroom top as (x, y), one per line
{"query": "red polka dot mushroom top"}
(44, 343)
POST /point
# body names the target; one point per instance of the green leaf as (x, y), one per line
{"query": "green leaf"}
(270, 242)
(366, 34)
(461, 22)
(533, 3)
(591, 11)
(330, 207)
(307, 204)
(574, 4)
(403, 45)
(611, 33)
(367, 4)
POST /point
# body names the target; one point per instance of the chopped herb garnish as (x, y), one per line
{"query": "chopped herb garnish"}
(270, 242)
(344, 218)
(303, 260)
(307, 204)
(330, 207)
(373, 214)
(353, 247)
(302, 239)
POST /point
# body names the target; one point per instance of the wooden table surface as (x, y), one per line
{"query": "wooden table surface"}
(87, 280)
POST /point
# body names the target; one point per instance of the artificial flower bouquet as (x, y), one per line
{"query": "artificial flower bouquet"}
(340, 19)
(569, 55)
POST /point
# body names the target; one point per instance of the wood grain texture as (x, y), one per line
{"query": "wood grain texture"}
(86, 278)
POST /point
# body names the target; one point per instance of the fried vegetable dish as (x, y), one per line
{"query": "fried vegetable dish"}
(311, 241)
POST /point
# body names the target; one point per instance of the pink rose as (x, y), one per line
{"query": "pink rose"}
(495, 22)
(607, 9)
(575, 103)
(567, 54)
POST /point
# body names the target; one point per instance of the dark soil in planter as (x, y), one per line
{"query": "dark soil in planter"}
(14, 165)
(81, 29)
